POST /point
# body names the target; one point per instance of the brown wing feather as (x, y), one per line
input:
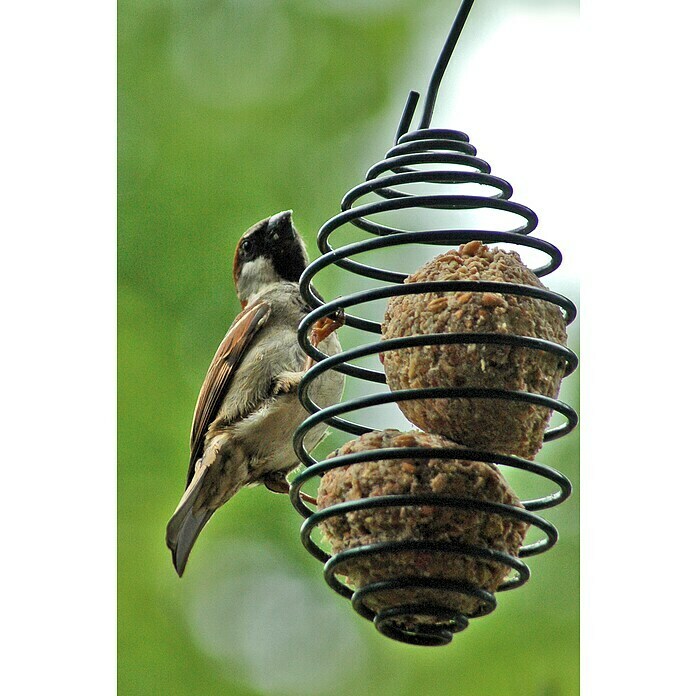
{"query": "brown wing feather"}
(220, 373)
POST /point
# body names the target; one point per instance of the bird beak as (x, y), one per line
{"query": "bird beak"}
(280, 222)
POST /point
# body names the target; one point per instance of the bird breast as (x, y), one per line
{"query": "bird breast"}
(266, 433)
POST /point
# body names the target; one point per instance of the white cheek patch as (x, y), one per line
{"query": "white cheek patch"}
(255, 275)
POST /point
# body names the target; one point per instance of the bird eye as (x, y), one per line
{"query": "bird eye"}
(245, 245)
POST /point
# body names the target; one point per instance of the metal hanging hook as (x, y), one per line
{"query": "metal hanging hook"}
(436, 78)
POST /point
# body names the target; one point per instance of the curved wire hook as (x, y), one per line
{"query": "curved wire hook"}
(436, 78)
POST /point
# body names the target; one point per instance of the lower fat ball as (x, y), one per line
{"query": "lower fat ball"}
(446, 477)
(499, 425)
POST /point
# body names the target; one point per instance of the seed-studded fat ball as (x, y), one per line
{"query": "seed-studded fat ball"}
(484, 423)
(446, 477)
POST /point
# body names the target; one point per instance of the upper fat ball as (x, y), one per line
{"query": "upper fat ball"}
(499, 425)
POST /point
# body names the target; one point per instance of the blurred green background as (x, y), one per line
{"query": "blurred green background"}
(230, 111)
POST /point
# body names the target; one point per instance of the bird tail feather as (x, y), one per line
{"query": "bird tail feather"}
(186, 524)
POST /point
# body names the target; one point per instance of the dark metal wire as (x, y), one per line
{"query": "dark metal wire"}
(456, 162)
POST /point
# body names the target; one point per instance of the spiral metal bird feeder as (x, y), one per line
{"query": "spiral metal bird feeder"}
(439, 149)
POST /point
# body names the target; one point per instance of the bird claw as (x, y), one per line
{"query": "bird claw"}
(277, 483)
(326, 326)
(322, 329)
(308, 498)
(286, 383)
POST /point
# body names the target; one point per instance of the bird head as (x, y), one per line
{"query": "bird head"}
(271, 251)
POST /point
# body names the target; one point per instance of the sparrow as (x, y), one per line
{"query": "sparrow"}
(248, 407)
